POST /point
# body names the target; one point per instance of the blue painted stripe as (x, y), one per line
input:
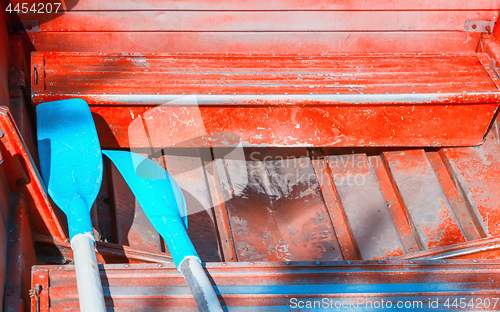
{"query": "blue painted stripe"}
(317, 290)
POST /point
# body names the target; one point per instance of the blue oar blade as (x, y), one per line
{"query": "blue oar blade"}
(70, 158)
(70, 154)
(155, 189)
(160, 198)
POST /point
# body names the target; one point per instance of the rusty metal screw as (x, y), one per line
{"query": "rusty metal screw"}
(474, 26)
(332, 248)
(245, 248)
(487, 28)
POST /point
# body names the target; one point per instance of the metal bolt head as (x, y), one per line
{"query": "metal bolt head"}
(21, 183)
(2, 133)
(332, 248)
(245, 248)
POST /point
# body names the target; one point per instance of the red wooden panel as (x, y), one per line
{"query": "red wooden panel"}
(279, 214)
(486, 248)
(95, 5)
(365, 207)
(257, 74)
(335, 210)
(258, 42)
(220, 209)
(426, 203)
(477, 173)
(270, 286)
(410, 241)
(292, 126)
(467, 219)
(186, 167)
(23, 178)
(276, 100)
(91, 21)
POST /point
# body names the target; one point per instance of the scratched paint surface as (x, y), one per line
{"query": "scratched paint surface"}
(477, 172)
(280, 214)
(269, 286)
(275, 100)
(366, 209)
(431, 213)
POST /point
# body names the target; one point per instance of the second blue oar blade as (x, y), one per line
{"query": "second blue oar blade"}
(161, 200)
(163, 203)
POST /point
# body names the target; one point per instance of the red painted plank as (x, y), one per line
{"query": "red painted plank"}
(410, 241)
(248, 98)
(466, 218)
(426, 203)
(268, 74)
(23, 178)
(476, 171)
(95, 5)
(365, 207)
(279, 214)
(91, 21)
(226, 237)
(335, 209)
(258, 42)
(270, 286)
(291, 126)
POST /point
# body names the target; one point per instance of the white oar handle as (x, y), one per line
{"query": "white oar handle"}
(87, 274)
(199, 285)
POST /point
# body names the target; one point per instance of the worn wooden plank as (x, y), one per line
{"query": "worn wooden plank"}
(279, 214)
(92, 21)
(186, 167)
(334, 126)
(366, 209)
(255, 42)
(334, 208)
(409, 239)
(424, 198)
(249, 74)
(270, 286)
(466, 218)
(476, 172)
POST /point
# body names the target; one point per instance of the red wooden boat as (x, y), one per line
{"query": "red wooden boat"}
(333, 154)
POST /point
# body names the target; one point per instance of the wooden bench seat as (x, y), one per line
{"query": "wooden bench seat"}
(275, 99)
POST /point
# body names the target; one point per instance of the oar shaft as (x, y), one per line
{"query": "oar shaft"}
(199, 285)
(87, 274)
